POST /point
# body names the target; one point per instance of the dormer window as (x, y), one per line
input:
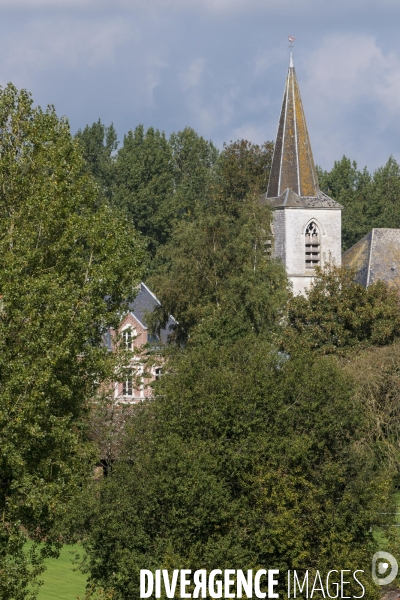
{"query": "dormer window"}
(312, 246)
(128, 336)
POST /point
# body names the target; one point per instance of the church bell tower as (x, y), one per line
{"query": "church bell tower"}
(307, 223)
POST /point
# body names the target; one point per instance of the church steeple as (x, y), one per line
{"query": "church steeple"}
(306, 225)
(293, 164)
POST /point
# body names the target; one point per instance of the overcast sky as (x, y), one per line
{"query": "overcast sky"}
(218, 66)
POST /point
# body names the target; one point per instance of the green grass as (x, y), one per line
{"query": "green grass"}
(62, 580)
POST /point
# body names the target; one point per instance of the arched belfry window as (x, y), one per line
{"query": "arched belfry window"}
(313, 248)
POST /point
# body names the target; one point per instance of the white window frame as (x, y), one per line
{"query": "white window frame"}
(128, 334)
(127, 384)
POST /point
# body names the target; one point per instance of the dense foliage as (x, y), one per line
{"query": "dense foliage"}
(219, 262)
(337, 315)
(244, 459)
(159, 181)
(155, 178)
(369, 200)
(98, 144)
(258, 448)
(67, 267)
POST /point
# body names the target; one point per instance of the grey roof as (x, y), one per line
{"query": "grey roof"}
(293, 181)
(144, 303)
(289, 199)
(293, 164)
(376, 257)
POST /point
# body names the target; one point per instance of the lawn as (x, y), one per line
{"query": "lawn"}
(62, 580)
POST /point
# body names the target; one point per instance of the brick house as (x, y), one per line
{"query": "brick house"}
(135, 335)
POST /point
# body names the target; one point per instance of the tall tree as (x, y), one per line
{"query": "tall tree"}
(66, 271)
(369, 200)
(219, 264)
(194, 160)
(219, 259)
(243, 169)
(98, 144)
(350, 187)
(383, 200)
(161, 182)
(145, 183)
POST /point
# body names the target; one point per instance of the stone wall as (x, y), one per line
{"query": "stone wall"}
(289, 240)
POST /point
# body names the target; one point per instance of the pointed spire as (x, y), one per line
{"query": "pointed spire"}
(293, 164)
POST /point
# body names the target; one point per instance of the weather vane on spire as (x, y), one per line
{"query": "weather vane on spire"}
(291, 39)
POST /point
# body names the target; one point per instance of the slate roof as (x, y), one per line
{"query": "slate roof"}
(144, 303)
(292, 164)
(376, 257)
(290, 199)
(293, 182)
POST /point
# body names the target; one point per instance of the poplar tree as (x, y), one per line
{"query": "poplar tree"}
(67, 267)
(145, 185)
(98, 144)
(160, 181)
(369, 200)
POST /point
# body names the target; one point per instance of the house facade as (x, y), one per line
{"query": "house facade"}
(135, 337)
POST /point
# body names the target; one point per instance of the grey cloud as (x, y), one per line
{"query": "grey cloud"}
(288, 8)
(43, 44)
(357, 106)
(191, 78)
(216, 65)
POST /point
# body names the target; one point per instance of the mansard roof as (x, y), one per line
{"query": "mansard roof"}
(376, 257)
(292, 164)
(291, 200)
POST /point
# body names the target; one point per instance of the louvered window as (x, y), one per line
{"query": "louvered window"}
(312, 246)
(268, 248)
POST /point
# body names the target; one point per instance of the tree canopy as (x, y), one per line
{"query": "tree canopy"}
(98, 145)
(272, 437)
(369, 200)
(218, 262)
(67, 268)
(244, 459)
(338, 315)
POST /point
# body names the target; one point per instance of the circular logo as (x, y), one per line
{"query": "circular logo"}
(383, 567)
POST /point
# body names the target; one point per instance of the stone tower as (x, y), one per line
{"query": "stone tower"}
(307, 223)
